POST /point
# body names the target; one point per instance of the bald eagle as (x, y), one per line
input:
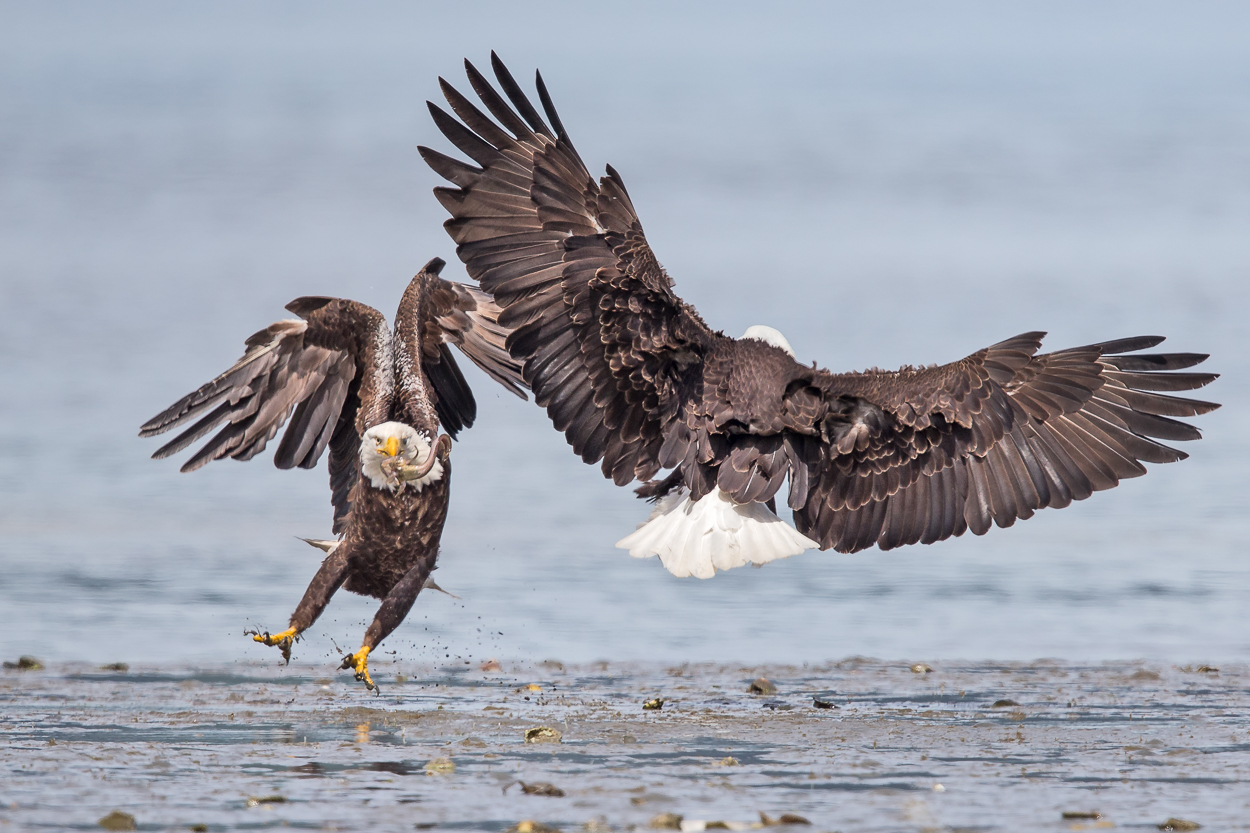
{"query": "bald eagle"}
(376, 399)
(636, 380)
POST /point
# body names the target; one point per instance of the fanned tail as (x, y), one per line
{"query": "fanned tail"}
(713, 533)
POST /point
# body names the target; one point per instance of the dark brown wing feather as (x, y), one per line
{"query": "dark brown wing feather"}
(328, 373)
(919, 455)
(604, 341)
(634, 378)
(434, 313)
(471, 323)
(468, 318)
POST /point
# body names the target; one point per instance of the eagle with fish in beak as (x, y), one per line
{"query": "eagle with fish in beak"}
(376, 398)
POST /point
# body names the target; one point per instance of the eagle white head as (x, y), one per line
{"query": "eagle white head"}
(390, 445)
(768, 335)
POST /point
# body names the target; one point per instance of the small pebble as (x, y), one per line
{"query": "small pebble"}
(531, 826)
(440, 766)
(543, 734)
(256, 801)
(784, 818)
(26, 663)
(762, 685)
(541, 788)
(117, 820)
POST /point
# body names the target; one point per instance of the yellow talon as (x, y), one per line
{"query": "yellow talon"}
(359, 662)
(283, 640)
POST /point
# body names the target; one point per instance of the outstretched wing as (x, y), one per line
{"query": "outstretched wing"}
(606, 344)
(460, 315)
(919, 455)
(329, 373)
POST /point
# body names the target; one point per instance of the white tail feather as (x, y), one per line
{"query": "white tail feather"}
(712, 533)
(325, 546)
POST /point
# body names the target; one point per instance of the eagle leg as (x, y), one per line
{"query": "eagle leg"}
(283, 640)
(359, 662)
(654, 490)
(389, 616)
(324, 584)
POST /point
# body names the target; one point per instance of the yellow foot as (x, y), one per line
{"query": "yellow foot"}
(283, 640)
(359, 662)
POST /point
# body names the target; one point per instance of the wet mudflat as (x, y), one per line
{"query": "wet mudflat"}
(966, 746)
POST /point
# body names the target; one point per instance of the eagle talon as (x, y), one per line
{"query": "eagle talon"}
(359, 663)
(283, 640)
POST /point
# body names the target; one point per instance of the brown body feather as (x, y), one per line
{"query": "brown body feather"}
(390, 534)
(635, 380)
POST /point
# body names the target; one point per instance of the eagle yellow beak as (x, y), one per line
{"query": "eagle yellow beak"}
(391, 448)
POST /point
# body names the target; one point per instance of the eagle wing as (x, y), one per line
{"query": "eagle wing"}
(604, 341)
(464, 316)
(920, 455)
(634, 378)
(329, 373)
(332, 375)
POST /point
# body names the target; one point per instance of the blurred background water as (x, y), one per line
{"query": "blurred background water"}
(885, 183)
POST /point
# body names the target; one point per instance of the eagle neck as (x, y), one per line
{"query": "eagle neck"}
(377, 387)
(414, 392)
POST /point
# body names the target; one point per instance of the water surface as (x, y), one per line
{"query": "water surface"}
(963, 746)
(883, 187)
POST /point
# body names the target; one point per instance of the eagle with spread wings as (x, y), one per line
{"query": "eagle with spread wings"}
(375, 397)
(637, 382)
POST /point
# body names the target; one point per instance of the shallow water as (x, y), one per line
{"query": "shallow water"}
(176, 746)
(907, 187)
